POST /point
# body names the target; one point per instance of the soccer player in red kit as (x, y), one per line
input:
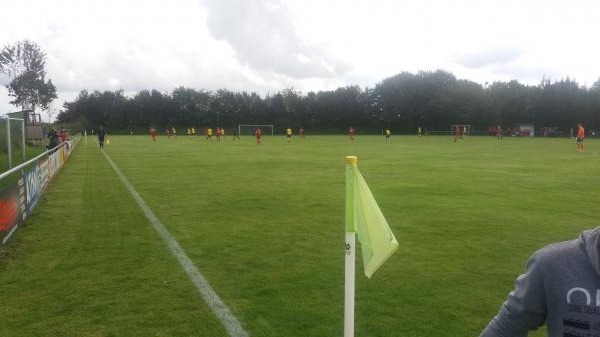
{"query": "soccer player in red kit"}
(580, 136)
(258, 133)
(153, 134)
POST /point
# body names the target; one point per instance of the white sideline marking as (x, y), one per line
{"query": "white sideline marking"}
(229, 321)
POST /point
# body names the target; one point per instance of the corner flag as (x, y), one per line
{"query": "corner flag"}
(378, 243)
(364, 217)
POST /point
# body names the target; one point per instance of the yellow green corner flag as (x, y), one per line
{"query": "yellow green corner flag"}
(364, 217)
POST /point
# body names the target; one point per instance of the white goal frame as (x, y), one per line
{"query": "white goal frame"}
(18, 139)
(462, 128)
(263, 127)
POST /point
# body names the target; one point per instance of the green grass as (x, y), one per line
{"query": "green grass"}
(264, 224)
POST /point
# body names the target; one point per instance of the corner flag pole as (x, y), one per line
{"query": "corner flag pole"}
(349, 268)
(363, 217)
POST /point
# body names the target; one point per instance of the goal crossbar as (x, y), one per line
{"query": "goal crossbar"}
(248, 129)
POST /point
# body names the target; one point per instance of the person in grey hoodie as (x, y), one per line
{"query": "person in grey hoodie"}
(560, 287)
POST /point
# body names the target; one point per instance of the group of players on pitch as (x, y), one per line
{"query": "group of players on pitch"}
(220, 133)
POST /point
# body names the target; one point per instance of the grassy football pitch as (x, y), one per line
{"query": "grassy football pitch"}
(265, 226)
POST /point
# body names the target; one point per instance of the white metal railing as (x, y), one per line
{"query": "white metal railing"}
(19, 198)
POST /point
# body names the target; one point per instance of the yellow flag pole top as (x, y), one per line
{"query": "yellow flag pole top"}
(351, 160)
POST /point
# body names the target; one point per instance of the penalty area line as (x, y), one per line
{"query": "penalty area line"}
(229, 321)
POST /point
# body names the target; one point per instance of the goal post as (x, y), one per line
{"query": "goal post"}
(465, 129)
(248, 129)
(12, 140)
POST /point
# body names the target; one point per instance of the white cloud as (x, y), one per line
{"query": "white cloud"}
(263, 36)
(269, 45)
(494, 56)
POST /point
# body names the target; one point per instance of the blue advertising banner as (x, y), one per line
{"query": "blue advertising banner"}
(34, 186)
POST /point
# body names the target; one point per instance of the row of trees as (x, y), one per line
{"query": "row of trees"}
(431, 99)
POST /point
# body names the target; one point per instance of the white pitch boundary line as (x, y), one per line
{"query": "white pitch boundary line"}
(229, 321)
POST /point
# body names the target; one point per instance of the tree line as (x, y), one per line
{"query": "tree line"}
(431, 99)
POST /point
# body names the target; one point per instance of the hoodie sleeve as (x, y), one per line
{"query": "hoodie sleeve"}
(525, 308)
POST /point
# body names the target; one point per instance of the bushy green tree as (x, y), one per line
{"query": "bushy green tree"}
(25, 64)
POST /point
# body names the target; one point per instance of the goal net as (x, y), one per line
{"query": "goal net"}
(248, 129)
(465, 129)
(12, 141)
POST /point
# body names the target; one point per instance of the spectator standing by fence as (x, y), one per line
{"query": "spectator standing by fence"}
(64, 135)
(53, 138)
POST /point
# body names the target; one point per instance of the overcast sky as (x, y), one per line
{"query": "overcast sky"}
(269, 45)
